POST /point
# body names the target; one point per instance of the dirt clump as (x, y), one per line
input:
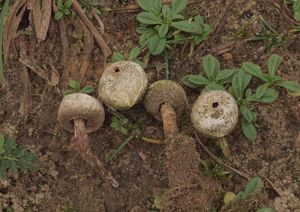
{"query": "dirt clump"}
(189, 189)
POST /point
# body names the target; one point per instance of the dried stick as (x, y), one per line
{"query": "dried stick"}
(98, 37)
(168, 115)
(41, 18)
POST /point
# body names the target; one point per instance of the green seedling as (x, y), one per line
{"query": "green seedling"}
(271, 79)
(14, 158)
(75, 87)
(254, 186)
(266, 210)
(215, 171)
(133, 56)
(215, 78)
(163, 26)
(4, 11)
(121, 124)
(64, 9)
(296, 8)
(97, 6)
(245, 99)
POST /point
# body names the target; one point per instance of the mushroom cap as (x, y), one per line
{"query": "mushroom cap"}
(80, 106)
(215, 113)
(122, 85)
(165, 91)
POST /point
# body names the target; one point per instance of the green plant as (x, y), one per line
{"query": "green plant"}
(97, 6)
(4, 11)
(266, 210)
(133, 56)
(270, 79)
(216, 79)
(163, 26)
(14, 158)
(121, 124)
(296, 8)
(245, 99)
(215, 171)
(75, 87)
(254, 186)
(64, 9)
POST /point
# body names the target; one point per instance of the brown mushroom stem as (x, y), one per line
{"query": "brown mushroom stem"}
(81, 145)
(168, 115)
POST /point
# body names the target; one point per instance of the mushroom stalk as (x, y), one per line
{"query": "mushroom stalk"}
(81, 145)
(168, 115)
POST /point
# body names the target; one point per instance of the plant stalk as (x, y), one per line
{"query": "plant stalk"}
(168, 115)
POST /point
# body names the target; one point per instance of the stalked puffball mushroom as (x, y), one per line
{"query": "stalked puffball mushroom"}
(215, 113)
(122, 85)
(82, 114)
(166, 99)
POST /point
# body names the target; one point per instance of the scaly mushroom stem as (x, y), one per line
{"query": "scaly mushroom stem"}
(81, 145)
(168, 115)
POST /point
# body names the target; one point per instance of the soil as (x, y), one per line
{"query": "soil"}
(64, 182)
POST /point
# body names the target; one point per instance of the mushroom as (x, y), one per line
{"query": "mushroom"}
(165, 100)
(122, 85)
(215, 113)
(82, 114)
(189, 189)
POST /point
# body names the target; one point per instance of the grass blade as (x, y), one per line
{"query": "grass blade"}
(119, 149)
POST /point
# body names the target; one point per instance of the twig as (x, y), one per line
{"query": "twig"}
(221, 22)
(242, 174)
(98, 37)
(41, 18)
(99, 21)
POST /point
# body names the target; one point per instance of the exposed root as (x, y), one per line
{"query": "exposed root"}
(189, 189)
(168, 115)
(81, 145)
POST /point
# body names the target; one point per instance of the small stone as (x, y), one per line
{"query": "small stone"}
(142, 156)
(227, 56)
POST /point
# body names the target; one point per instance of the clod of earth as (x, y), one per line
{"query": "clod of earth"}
(122, 85)
(189, 189)
(215, 113)
(82, 114)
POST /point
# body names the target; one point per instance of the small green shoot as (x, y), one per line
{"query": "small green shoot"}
(215, 171)
(254, 186)
(163, 26)
(75, 87)
(215, 78)
(133, 56)
(4, 12)
(97, 6)
(266, 210)
(64, 9)
(271, 79)
(14, 158)
(296, 8)
(121, 124)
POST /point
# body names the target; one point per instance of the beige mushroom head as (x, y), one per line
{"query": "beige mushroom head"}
(215, 113)
(80, 106)
(122, 85)
(165, 91)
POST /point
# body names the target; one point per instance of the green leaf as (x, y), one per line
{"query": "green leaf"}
(2, 144)
(254, 70)
(269, 97)
(249, 130)
(87, 89)
(58, 15)
(68, 3)
(198, 80)
(157, 45)
(166, 11)
(199, 19)
(214, 86)
(261, 90)
(59, 4)
(240, 196)
(291, 86)
(114, 125)
(266, 210)
(211, 66)
(178, 6)
(146, 5)
(117, 56)
(247, 114)
(237, 86)
(187, 82)
(187, 26)
(163, 30)
(124, 131)
(222, 75)
(273, 64)
(74, 85)
(246, 79)
(254, 185)
(148, 18)
(157, 5)
(134, 53)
